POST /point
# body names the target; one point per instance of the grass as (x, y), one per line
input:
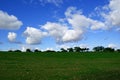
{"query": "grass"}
(59, 66)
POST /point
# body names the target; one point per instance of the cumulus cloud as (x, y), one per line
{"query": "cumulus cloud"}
(72, 27)
(61, 32)
(75, 24)
(114, 13)
(9, 21)
(33, 35)
(80, 21)
(112, 45)
(110, 14)
(12, 36)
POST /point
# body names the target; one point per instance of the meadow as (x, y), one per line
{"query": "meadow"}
(59, 66)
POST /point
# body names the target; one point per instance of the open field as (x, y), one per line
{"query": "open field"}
(59, 66)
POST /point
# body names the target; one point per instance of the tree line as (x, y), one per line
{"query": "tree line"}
(75, 49)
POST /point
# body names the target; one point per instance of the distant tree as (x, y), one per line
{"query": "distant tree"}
(82, 50)
(118, 50)
(49, 51)
(63, 50)
(17, 51)
(70, 49)
(10, 50)
(36, 50)
(98, 49)
(108, 49)
(86, 49)
(28, 50)
(77, 49)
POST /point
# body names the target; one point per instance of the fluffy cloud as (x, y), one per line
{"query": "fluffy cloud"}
(111, 17)
(56, 30)
(33, 35)
(72, 35)
(80, 21)
(112, 46)
(61, 32)
(76, 25)
(12, 36)
(9, 21)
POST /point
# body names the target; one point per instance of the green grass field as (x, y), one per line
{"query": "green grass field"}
(59, 66)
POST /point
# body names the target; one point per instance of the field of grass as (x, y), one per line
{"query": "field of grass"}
(59, 66)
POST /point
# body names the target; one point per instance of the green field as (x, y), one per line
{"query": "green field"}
(59, 66)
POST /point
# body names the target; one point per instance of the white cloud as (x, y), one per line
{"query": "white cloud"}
(84, 46)
(61, 32)
(63, 46)
(24, 47)
(56, 30)
(80, 21)
(112, 45)
(73, 30)
(33, 35)
(111, 15)
(12, 36)
(72, 35)
(49, 49)
(9, 21)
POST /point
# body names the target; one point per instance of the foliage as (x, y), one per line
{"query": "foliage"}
(98, 49)
(17, 51)
(70, 49)
(28, 50)
(118, 50)
(63, 50)
(109, 49)
(36, 50)
(77, 49)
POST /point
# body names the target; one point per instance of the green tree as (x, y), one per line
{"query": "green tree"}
(17, 51)
(36, 50)
(118, 50)
(98, 49)
(108, 49)
(63, 50)
(28, 50)
(70, 49)
(77, 49)
(86, 49)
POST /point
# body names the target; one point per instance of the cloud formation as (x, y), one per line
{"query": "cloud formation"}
(112, 45)
(33, 35)
(80, 21)
(9, 21)
(73, 26)
(12, 37)
(113, 16)
(61, 33)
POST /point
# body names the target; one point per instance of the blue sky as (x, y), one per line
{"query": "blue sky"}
(52, 24)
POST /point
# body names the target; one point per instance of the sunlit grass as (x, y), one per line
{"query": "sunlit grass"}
(59, 66)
